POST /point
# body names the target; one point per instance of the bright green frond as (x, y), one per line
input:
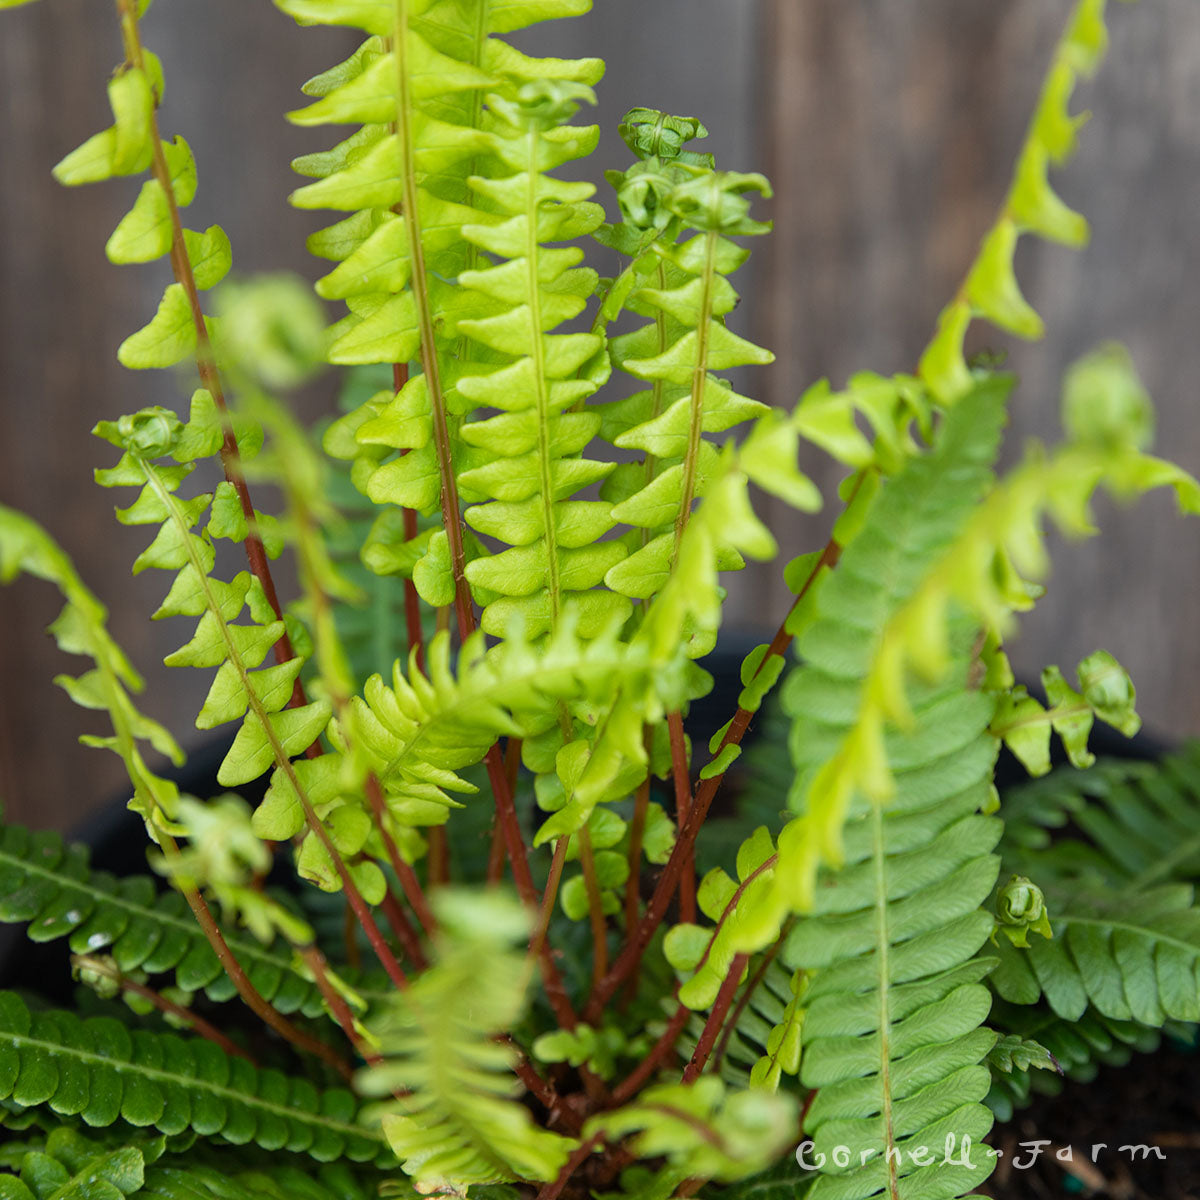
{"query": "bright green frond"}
(1032, 206)
(456, 1122)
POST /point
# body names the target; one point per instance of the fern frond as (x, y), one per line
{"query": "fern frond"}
(272, 729)
(705, 1128)
(236, 650)
(51, 886)
(1139, 822)
(147, 232)
(1024, 724)
(760, 1043)
(419, 734)
(990, 289)
(431, 152)
(746, 913)
(976, 557)
(455, 1122)
(80, 629)
(889, 406)
(678, 353)
(100, 1071)
(855, 653)
(891, 1035)
(531, 452)
(369, 549)
(1078, 1047)
(1132, 954)
(67, 1162)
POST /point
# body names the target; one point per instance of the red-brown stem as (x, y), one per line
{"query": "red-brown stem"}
(578, 1157)
(549, 896)
(402, 927)
(204, 1028)
(743, 1000)
(181, 267)
(495, 866)
(595, 905)
(404, 873)
(683, 802)
(716, 1018)
(642, 1073)
(438, 857)
(361, 909)
(316, 963)
(512, 764)
(631, 953)
(248, 992)
(637, 833)
(541, 1089)
(510, 826)
(506, 816)
(666, 1043)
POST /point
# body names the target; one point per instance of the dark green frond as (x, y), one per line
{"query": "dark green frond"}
(50, 885)
(100, 1071)
(67, 1163)
(891, 1033)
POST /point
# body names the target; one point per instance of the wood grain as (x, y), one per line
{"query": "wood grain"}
(888, 129)
(893, 128)
(232, 70)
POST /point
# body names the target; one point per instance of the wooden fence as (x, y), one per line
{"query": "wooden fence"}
(888, 128)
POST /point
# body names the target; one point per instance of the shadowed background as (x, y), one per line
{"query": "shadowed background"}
(889, 132)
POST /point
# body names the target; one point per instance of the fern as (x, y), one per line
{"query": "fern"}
(1123, 959)
(531, 450)
(455, 1122)
(429, 84)
(990, 289)
(80, 629)
(1138, 822)
(372, 624)
(69, 1163)
(150, 229)
(677, 353)
(273, 728)
(52, 887)
(1124, 943)
(96, 1069)
(841, 969)
(891, 1033)
(703, 1130)
(271, 732)
(852, 678)
(760, 1043)
(1077, 1049)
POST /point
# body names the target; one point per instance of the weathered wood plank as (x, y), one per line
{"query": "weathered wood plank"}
(232, 70)
(888, 130)
(893, 129)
